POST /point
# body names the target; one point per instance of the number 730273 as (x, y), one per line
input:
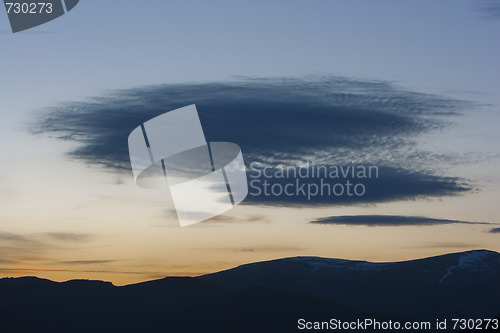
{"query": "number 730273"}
(29, 8)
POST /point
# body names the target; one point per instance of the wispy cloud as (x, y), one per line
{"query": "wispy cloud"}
(16, 247)
(67, 236)
(231, 219)
(86, 262)
(17, 238)
(443, 245)
(450, 245)
(387, 220)
(260, 248)
(37, 270)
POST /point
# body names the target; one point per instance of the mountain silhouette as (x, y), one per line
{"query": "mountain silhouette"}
(463, 284)
(266, 296)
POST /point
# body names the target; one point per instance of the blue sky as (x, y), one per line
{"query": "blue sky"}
(77, 67)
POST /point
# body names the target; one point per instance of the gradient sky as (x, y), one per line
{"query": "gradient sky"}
(427, 72)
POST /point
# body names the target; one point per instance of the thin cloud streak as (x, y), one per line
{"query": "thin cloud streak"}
(86, 262)
(67, 237)
(387, 220)
(32, 247)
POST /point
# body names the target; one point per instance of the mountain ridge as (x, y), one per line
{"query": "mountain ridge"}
(444, 284)
(305, 258)
(268, 296)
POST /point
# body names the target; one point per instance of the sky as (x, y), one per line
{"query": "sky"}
(409, 87)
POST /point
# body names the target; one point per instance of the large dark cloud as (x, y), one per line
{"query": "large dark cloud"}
(328, 120)
(387, 220)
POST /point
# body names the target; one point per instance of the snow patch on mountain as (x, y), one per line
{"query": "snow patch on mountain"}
(478, 260)
(449, 271)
